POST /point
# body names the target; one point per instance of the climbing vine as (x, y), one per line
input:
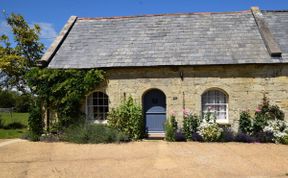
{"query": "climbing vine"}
(61, 90)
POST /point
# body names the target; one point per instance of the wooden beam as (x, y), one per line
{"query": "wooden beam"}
(270, 43)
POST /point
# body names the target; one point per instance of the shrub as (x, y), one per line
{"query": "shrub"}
(92, 133)
(66, 121)
(190, 125)
(14, 125)
(1, 123)
(260, 121)
(278, 129)
(210, 131)
(264, 113)
(128, 118)
(276, 113)
(268, 125)
(209, 117)
(170, 129)
(35, 123)
(31, 136)
(227, 135)
(7, 99)
(61, 90)
(23, 103)
(283, 139)
(49, 137)
(242, 137)
(245, 123)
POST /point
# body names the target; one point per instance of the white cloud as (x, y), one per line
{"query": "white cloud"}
(48, 31)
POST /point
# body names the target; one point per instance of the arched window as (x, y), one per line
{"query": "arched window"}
(97, 106)
(215, 102)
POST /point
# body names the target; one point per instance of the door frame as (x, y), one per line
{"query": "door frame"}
(143, 108)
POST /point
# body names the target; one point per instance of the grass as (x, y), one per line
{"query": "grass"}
(14, 133)
(16, 118)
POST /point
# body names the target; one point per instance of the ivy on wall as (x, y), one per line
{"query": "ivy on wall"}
(61, 90)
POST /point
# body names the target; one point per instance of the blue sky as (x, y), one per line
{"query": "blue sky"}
(51, 15)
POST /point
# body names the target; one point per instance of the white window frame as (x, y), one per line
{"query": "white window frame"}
(220, 121)
(90, 106)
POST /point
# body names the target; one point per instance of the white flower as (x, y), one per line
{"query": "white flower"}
(278, 128)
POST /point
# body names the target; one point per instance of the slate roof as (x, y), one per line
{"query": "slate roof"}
(169, 39)
(278, 25)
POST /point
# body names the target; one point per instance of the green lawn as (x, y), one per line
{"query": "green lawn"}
(7, 119)
(16, 117)
(13, 133)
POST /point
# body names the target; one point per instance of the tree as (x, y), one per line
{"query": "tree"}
(17, 59)
(7, 99)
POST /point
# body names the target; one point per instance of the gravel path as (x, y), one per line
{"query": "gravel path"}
(144, 159)
(9, 141)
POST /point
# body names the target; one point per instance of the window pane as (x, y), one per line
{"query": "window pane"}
(97, 106)
(214, 101)
(101, 102)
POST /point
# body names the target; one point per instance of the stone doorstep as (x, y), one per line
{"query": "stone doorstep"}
(156, 135)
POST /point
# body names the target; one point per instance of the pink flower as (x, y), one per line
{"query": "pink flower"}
(173, 113)
(186, 112)
(258, 110)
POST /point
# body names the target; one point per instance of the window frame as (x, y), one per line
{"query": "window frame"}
(226, 104)
(90, 106)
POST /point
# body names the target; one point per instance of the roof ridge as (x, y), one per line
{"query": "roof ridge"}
(284, 10)
(155, 15)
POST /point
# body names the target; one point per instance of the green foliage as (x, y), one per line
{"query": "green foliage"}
(228, 135)
(282, 140)
(264, 113)
(278, 131)
(61, 90)
(17, 60)
(245, 123)
(14, 125)
(191, 123)
(209, 117)
(260, 121)
(16, 117)
(31, 136)
(170, 129)
(13, 133)
(35, 123)
(23, 103)
(268, 124)
(208, 129)
(128, 118)
(210, 132)
(92, 133)
(7, 99)
(1, 122)
(19, 102)
(276, 113)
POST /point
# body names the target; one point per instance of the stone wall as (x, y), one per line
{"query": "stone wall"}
(244, 85)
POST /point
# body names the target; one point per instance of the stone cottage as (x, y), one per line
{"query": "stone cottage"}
(167, 62)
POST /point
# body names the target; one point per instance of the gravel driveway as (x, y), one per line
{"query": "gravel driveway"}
(144, 159)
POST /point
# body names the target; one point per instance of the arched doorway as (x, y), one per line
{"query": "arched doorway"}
(154, 107)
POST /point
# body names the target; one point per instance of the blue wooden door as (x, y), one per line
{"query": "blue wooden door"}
(154, 103)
